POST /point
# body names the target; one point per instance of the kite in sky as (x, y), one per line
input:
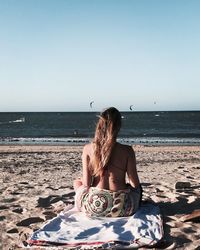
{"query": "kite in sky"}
(91, 103)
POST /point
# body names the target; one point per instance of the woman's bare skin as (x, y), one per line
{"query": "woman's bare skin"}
(122, 162)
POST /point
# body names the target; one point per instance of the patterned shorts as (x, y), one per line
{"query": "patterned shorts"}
(102, 202)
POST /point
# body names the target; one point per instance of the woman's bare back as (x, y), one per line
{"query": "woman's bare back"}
(122, 161)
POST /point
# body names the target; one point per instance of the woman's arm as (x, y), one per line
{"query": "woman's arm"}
(86, 179)
(131, 169)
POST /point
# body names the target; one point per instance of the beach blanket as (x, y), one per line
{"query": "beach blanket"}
(72, 228)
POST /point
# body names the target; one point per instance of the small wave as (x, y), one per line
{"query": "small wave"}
(47, 140)
(82, 141)
(160, 141)
(22, 119)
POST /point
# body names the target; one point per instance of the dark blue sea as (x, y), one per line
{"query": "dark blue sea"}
(166, 127)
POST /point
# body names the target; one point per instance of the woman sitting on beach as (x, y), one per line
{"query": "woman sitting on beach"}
(103, 189)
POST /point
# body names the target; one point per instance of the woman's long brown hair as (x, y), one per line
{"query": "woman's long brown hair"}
(106, 132)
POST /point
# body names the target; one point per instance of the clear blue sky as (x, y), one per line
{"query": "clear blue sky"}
(58, 55)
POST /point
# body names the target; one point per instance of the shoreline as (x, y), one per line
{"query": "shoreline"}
(81, 140)
(36, 182)
(61, 146)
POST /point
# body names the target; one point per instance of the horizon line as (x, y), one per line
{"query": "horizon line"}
(95, 111)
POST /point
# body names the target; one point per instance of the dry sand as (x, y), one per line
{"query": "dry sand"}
(36, 183)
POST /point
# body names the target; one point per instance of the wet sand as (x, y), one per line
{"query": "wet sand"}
(36, 184)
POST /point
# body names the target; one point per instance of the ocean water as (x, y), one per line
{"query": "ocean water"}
(166, 127)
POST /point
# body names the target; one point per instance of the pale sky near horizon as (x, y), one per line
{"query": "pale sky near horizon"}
(59, 55)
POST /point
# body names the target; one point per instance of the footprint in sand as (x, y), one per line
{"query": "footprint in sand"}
(12, 231)
(2, 218)
(16, 193)
(47, 201)
(9, 200)
(52, 188)
(190, 177)
(18, 210)
(29, 221)
(24, 183)
(3, 207)
(49, 215)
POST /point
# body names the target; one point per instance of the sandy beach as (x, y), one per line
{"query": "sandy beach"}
(36, 184)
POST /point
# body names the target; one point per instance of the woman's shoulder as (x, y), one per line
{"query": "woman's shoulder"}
(126, 148)
(87, 148)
